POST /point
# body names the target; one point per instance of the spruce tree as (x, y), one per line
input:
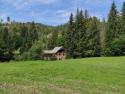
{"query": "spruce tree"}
(86, 14)
(119, 43)
(123, 19)
(111, 32)
(80, 30)
(93, 39)
(77, 52)
(82, 34)
(69, 38)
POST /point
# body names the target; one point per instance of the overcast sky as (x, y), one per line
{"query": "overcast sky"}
(53, 12)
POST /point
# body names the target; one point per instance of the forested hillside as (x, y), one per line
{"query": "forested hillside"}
(82, 36)
(90, 37)
(22, 41)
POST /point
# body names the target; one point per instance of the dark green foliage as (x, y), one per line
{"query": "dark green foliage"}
(102, 33)
(17, 40)
(24, 36)
(93, 39)
(112, 28)
(80, 33)
(118, 44)
(69, 38)
(29, 35)
(115, 32)
(53, 40)
(6, 42)
(123, 19)
(33, 32)
(82, 36)
(112, 25)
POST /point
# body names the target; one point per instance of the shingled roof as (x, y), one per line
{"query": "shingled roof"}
(55, 50)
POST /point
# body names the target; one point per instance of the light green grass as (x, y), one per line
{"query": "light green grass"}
(80, 76)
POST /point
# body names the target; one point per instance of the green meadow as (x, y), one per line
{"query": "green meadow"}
(105, 75)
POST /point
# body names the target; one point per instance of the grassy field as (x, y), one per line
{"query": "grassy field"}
(81, 76)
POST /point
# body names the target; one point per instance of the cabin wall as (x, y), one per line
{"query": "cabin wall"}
(60, 55)
(49, 57)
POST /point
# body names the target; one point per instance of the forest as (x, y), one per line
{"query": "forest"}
(82, 36)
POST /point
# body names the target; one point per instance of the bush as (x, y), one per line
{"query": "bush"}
(89, 53)
(106, 52)
(117, 47)
(24, 56)
(34, 53)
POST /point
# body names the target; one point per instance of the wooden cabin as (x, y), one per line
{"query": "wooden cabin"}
(58, 53)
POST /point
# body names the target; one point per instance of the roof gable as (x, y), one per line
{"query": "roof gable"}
(55, 50)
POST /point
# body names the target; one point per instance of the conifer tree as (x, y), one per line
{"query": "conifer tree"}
(24, 37)
(33, 32)
(82, 34)
(102, 33)
(80, 30)
(111, 32)
(53, 40)
(7, 44)
(77, 52)
(112, 23)
(123, 19)
(93, 39)
(119, 43)
(86, 14)
(69, 38)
